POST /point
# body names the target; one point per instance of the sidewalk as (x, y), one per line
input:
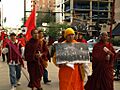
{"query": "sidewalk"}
(53, 75)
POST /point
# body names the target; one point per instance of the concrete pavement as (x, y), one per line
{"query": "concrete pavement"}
(53, 75)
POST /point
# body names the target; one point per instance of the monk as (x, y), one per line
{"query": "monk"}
(102, 64)
(69, 78)
(33, 57)
(45, 56)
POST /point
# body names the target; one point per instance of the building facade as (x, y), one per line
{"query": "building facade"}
(87, 12)
(117, 11)
(43, 5)
(1, 14)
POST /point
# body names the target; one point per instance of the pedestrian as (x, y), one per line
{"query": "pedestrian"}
(34, 62)
(86, 66)
(76, 35)
(102, 64)
(80, 38)
(45, 57)
(14, 60)
(22, 39)
(5, 40)
(0, 47)
(62, 38)
(69, 78)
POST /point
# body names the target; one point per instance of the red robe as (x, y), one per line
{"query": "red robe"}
(81, 40)
(22, 41)
(35, 68)
(102, 76)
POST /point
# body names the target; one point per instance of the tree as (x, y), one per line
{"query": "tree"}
(44, 17)
(54, 30)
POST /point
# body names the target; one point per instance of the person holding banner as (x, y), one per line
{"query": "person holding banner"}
(33, 54)
(102, 64)
(15, 61)
(70, 75)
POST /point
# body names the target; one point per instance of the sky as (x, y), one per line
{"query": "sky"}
(13, 10)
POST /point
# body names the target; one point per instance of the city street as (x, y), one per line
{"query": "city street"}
(53, 75)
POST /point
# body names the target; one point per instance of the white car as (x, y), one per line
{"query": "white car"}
(92, 41)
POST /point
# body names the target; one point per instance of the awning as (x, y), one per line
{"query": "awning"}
(116, 30)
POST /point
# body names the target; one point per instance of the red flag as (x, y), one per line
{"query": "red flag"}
(2, 35)
(30, 24)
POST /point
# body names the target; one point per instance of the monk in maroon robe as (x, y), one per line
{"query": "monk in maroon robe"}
(33, 57)
(102, 64)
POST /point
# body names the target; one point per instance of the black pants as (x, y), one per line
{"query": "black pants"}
(3, 56)
(45, 75)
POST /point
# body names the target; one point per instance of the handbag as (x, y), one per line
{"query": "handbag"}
(81, 71)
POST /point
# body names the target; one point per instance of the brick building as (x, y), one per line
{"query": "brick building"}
(117, 10)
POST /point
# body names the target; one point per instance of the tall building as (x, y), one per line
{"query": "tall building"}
(44, 5)
(1, 14)
(88, 12)
(117, 11)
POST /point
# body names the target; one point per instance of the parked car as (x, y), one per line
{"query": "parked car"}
(117, 65)
(90, 47)
(91, 43)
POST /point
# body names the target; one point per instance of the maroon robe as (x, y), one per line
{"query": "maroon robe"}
(35, 68)
(102, 76)
(14, 53)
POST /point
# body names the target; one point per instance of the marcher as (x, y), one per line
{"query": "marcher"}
(14, 60)
(87, 66)
(0, 47)
(69, 78)
(102, 64)
(33, 56)
(46, 56)
(80, 38)
(5, 40)
(76, 35)
(62, 38)
(22, 39)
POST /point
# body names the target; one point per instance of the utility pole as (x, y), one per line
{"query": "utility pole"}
(112, 18)
(98, 18)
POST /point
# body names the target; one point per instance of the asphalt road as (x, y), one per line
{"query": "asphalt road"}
(53, 75)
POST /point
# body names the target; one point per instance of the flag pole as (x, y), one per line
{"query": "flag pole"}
(25, 75)
(30, 24)
(34, 6)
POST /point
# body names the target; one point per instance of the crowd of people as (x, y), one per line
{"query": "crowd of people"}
(16, 50)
